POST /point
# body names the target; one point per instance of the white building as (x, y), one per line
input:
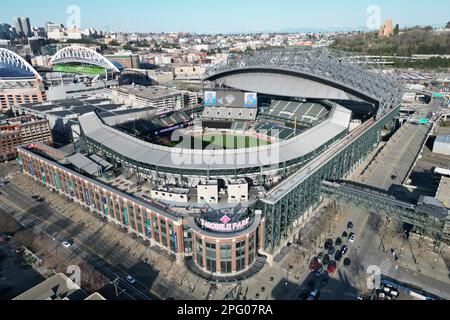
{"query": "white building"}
(208, 192)
(237, 191)
(442, 145)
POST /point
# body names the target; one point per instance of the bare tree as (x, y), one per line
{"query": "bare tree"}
(91, 279)
(8, 224)
(23, 238)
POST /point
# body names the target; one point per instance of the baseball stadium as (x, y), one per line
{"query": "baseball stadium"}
(226, 185)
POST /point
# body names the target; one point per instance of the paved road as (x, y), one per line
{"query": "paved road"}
(396, 160)
(106, 257)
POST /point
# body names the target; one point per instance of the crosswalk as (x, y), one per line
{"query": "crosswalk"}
(385, 267)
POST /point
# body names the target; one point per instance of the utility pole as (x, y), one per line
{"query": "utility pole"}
(116, 288)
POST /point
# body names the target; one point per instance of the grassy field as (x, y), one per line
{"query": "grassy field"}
(88, 70)
(225, 141)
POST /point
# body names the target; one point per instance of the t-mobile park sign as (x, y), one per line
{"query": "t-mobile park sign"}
(225, 225)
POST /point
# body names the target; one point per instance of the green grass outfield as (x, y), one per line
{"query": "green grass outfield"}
(223, 141)
(88, 70)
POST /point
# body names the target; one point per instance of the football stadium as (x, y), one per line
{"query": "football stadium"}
(19, 81)
(226, 185)
(83, 61)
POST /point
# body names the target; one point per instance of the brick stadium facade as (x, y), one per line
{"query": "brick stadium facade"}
(221, 254)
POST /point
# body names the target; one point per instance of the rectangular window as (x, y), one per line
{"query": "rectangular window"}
(105, 205)
(163, 233)
(131, 217)
(125, 216)
(211, 257)
(173, 239)
(251, 251)
(240, 256)
(225, 258)
(156, 228)
(187, 239)
(199, 247)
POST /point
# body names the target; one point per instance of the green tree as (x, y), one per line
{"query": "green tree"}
(396, 29)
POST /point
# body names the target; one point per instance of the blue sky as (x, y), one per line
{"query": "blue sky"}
(212, 16)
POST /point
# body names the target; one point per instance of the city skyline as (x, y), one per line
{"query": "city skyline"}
(199, 16)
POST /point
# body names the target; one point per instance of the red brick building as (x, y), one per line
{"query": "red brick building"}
(22, 130)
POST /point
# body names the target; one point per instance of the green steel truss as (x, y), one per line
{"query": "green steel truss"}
(281, 214)
(375, 201)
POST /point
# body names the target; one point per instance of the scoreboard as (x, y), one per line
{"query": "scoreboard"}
(230, 99)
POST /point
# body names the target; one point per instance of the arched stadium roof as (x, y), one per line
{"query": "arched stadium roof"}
(14, 66)
(308, 73)
(77, 54)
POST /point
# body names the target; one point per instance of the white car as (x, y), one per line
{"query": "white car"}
(66, 244)
(131, 280)
(352, 238)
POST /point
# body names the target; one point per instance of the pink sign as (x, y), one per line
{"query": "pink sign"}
(225, 219)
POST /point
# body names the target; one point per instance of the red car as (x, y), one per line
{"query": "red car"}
(332, 268)
(313, 264)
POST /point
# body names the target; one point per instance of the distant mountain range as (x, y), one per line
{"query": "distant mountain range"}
(320, 29)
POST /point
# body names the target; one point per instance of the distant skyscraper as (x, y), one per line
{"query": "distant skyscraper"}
(23, 26)
(26, 25)
(18, 24)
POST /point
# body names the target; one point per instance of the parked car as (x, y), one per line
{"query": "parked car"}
(328, 244)
(350, 225)
(67, 243)
(338, 256)
(352, 237)
(338, 242)
(331, 267)
(344, 250)
(394, 293)
(331, 251)
(313, 264)
(320, 257)
(326, 259)
(131, 280)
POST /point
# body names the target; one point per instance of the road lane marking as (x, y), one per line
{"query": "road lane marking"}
(20, 209)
